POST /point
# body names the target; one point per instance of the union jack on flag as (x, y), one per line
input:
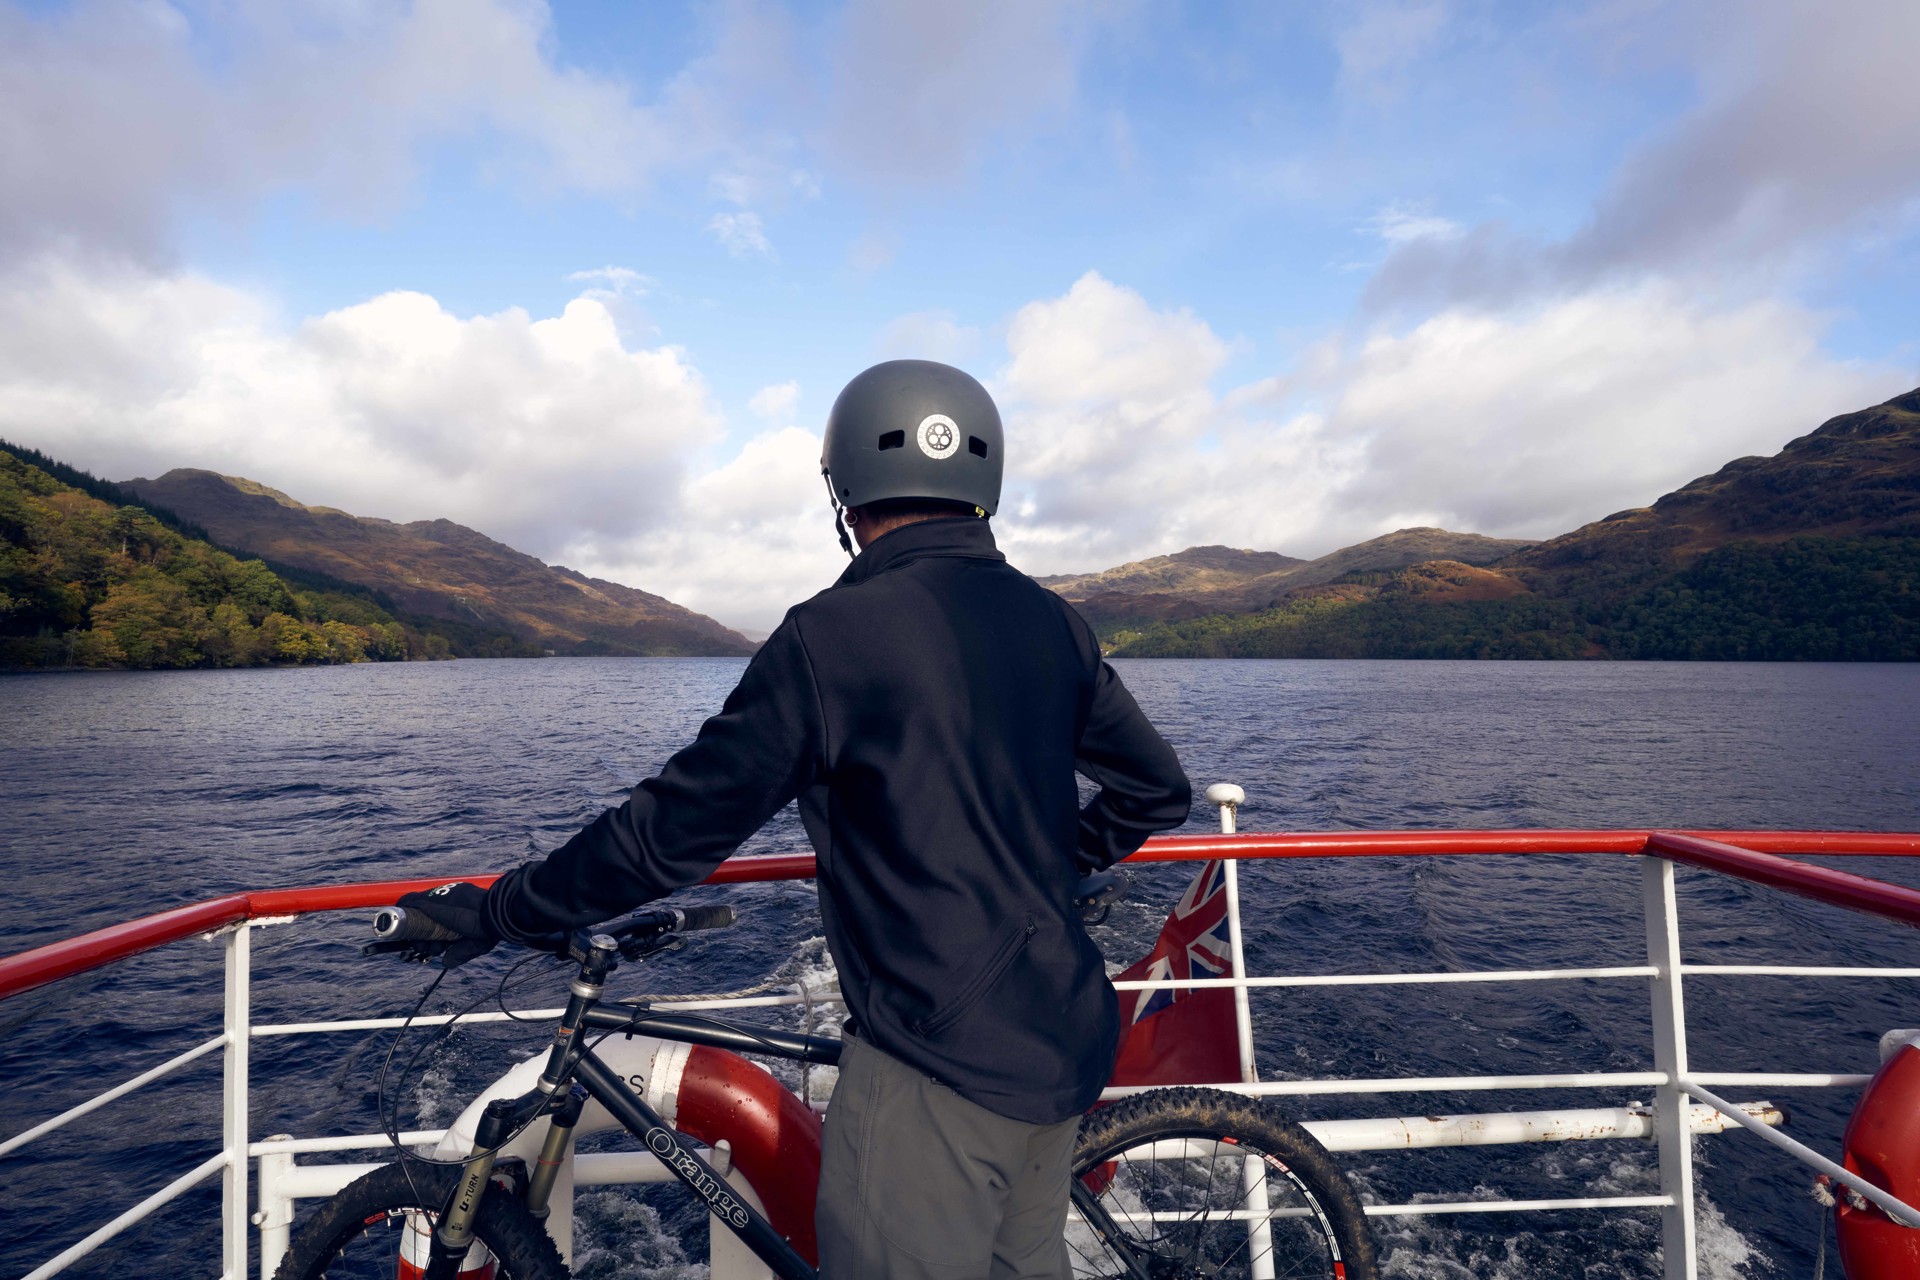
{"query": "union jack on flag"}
(1180, 1035)
(1193, 943)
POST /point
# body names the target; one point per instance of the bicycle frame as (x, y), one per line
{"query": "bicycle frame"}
(573, 1067)
(570, 1061)
(612, 1092)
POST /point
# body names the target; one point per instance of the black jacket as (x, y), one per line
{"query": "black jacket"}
(930, 710)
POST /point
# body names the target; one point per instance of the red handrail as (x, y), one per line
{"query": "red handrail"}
(1841, 888)
(1747, 854)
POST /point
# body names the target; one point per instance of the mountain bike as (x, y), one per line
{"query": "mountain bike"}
(1169, 1183)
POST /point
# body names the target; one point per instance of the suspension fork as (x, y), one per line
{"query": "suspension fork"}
(504, 1117)
(553, 1152)
(453, 1235)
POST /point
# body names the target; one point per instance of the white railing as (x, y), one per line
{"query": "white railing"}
(1682, 1105)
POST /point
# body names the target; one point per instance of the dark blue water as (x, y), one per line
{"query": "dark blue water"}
(127, 793)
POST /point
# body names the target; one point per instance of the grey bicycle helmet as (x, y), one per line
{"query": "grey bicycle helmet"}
(913, 429)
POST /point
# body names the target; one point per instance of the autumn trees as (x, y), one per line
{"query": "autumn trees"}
(86, 583)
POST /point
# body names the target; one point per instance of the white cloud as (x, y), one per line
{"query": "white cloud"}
(1802, 142)
(618, 281)
(741, 234)
(1528, 423)
(135, 122)
(921, 90)
(538, 432)
(757, 537)
(1808, 120)
(1107, 402)
(1397, 224)
(776, 401)
(927, 335)
(1518, 423)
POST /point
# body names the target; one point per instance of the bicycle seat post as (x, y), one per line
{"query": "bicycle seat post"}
(603, 955)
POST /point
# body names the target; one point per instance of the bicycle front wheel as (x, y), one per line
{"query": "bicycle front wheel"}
(376, 1229)
(1181, 1183)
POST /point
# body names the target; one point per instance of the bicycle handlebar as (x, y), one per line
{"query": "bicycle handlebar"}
(397, 924)
(717, 916)
(400, 929)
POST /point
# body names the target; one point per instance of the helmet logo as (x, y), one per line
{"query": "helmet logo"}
(939, 436)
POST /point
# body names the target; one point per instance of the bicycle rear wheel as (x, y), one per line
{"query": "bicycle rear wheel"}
(1200, 1183)
(376, 1229)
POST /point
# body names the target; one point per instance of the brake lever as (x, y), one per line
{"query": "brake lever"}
(416, 952)
(640, 948)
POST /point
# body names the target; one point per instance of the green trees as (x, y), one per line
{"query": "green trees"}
(1819, 599)
(87, 583)
(1798, 599)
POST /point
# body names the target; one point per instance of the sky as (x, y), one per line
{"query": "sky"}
(1284, 276)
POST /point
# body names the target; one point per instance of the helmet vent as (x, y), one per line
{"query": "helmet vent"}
(976, 446)
(893, 440)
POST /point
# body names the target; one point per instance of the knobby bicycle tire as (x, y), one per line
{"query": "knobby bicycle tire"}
(1190, 1205)
(359, 1231)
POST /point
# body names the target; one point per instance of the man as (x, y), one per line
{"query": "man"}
(930, 711)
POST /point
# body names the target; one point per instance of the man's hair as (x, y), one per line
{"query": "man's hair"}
(916, 508)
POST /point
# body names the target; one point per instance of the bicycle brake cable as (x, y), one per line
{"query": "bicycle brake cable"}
(390, 1126)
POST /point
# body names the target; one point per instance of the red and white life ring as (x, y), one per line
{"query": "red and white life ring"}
(1882, 1145)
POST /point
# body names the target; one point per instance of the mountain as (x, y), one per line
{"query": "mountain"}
(436, 569)
(1857, 475)
(1195, 569)
(1208, 580)
(1811, 553)
(89, 580)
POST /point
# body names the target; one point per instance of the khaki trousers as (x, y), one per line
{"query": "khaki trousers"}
(917, 1183)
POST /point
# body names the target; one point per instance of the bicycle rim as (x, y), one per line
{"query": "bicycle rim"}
(393, 1244)
(378, 1229)
(1209, 1206)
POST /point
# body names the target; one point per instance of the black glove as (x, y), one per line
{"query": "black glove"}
(460, 907)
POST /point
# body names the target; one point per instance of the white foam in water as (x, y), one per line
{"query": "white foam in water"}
(811, 968)
(616, 1237)
(1723, 1253)
(1539, 1245)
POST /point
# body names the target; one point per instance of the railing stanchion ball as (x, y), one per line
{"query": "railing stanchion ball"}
(1671, 1102)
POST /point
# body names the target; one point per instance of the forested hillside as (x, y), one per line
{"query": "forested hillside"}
(441, 573)
(1804, 599)
(85, 582)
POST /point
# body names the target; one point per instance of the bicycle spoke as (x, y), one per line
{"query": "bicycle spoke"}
(1191, 1212)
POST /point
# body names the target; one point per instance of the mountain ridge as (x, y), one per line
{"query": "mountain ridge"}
(438, 568)
(1201, 581)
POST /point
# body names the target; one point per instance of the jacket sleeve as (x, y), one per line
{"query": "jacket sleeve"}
(674, 829)
(1142, 787)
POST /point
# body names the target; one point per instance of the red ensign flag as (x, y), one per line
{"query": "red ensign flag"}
(1183, 1035)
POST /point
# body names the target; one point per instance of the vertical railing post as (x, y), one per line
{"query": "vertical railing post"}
(1670, 1056)
(1230, 798)
(275, 1215)
(233, 1198)
(1253, 1173)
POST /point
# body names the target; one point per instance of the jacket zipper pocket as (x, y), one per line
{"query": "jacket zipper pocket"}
(979, 985)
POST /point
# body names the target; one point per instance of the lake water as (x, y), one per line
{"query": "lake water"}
(124, 794)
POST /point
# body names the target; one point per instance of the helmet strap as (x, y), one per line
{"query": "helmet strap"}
(846, 543)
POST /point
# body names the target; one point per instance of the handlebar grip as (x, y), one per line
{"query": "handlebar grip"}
(397, 924)
(714, 917)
